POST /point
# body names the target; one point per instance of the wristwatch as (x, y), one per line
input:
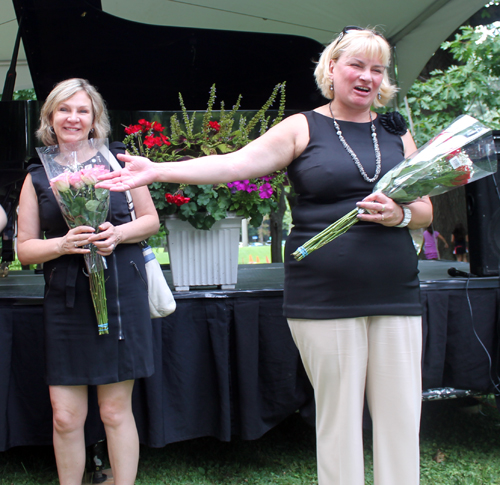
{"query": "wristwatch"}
(407, 216)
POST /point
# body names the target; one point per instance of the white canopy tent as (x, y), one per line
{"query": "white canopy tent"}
(415, 27)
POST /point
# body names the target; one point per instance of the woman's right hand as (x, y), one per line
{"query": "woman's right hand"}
(75, 239)
(138, 171)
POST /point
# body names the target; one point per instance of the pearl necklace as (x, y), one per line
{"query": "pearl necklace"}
(376, 148)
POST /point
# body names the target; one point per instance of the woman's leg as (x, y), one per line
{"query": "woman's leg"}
(334, 353)
(115, 405)
(69, 407)
(394, 393)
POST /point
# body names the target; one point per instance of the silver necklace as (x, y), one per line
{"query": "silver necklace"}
(376, 148)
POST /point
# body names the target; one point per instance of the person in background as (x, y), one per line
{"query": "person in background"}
(460, 241)
(76, 355)
(353, 306)
(431, 238)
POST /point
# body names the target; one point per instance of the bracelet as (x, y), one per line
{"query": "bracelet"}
(406, 216)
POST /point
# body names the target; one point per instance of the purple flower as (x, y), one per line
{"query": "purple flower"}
(265, 191)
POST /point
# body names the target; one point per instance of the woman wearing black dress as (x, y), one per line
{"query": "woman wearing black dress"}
(76, 355)
(354, 305)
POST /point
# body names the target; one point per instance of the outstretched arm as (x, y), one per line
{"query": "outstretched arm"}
(272, 151)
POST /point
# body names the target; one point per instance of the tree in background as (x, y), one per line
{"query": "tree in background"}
(469, 85)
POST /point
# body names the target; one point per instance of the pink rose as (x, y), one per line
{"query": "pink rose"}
(89, 176)
(75, 179)
(61, 183)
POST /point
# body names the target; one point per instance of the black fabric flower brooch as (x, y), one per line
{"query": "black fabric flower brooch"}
(394, 123)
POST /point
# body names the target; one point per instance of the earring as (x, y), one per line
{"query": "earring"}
(92, 131)
(379, 96)
(331, 86)
(51, 129)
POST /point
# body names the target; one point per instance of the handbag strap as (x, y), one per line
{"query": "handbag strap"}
(115, 164)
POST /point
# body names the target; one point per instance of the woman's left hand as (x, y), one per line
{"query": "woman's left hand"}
(381, 209)
(106, 239)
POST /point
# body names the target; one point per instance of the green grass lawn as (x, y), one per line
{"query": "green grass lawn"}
(468, 447)
(247, 255)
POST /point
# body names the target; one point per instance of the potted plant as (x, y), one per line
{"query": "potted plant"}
(207, 207)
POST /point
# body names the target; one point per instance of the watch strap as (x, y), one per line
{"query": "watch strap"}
(406, 216)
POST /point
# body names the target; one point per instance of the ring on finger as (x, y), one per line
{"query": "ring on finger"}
(112, 246)
(382, 216)
(383, 208)
(76, 245)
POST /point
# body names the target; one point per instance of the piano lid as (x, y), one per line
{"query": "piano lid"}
(143, 67)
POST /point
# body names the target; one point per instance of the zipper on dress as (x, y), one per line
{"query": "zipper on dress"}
(119, 314)
(49, 284)
(132, 263)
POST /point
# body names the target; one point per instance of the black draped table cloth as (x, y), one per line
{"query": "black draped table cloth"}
(225, 361)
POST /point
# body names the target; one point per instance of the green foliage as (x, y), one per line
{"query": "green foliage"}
(23, 95)
(471, 86)
(209, 203)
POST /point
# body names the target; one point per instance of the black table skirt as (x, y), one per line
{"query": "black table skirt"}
(225, 361)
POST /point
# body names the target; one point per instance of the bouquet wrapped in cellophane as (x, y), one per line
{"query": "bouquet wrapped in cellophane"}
(460, 154)
(72, 170)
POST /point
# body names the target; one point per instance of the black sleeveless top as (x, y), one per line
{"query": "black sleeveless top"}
(75, 354)
(371, 269)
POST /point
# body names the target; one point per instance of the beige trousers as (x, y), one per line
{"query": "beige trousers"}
(341, 358)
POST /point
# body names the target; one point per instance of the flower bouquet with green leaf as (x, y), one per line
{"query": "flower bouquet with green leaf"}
(460, 154)
(73, 170)
(193, 137)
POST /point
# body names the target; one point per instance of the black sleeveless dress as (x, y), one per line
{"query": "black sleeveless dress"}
(371, 269)
(75, 353)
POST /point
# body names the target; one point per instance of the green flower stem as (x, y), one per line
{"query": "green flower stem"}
(95, 268)
(98, 291)
(327, 235)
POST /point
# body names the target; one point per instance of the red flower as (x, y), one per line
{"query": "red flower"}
(157, 126)
(146, 125)
(129, 130)
(150, 141)
(177, 199)
(164, 139)
(463, 177)
(214, 125)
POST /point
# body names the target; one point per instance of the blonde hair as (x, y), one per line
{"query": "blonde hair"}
(63, 91)
(366, 41)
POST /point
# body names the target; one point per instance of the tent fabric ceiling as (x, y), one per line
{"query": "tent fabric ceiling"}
(415, 27)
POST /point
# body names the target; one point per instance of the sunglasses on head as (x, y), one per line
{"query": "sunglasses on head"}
(346, 30)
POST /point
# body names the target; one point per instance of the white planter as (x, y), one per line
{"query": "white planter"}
(203, 258)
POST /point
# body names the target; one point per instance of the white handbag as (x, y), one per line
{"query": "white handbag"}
(161, 300)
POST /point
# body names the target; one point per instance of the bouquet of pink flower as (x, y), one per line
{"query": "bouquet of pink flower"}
(460, 154)
(73, 171)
